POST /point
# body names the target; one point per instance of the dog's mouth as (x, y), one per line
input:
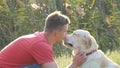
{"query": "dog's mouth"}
(68, 44)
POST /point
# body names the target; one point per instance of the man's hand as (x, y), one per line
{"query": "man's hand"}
(78, 59)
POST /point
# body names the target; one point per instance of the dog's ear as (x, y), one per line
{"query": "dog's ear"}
(87, 41)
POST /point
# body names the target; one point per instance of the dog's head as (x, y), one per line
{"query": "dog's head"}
(81, 40)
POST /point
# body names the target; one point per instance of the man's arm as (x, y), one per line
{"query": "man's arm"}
(50, 65)
(78, 59)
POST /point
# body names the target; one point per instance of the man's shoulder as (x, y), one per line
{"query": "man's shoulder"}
(37, 36)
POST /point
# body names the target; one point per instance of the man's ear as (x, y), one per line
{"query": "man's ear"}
(54, 33)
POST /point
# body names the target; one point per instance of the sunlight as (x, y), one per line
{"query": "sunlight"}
(35, 6)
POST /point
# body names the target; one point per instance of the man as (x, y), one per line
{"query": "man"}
(35, 50)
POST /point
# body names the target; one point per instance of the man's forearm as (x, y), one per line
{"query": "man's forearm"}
(72, 65)
(78, 60)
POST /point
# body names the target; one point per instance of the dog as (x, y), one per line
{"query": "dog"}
(83, 41)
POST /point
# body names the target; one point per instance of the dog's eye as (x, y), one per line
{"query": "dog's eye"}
(75, 34)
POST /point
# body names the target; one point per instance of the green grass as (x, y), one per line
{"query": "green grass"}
(65, 59)
(114, 55)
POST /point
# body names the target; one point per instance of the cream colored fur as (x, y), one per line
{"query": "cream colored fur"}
(83, 41)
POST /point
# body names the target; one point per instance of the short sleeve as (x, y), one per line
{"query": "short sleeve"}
(42, 52)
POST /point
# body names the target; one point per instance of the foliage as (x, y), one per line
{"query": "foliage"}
(100, 17)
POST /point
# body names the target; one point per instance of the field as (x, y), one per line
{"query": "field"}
(65, 59)
(100, 17)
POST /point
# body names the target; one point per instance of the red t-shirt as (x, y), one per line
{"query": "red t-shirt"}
(26, 50)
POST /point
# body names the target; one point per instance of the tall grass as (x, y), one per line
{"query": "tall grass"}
(114, 55)
(65, 59)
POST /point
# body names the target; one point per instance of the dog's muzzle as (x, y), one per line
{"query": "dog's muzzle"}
(67, 43)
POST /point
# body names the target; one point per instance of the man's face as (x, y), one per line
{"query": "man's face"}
(61, 34)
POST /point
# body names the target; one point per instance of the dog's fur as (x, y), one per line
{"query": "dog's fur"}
(83, 41)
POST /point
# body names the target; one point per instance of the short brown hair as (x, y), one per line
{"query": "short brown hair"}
(55, 21)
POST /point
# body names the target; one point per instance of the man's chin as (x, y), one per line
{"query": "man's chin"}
(59, 42)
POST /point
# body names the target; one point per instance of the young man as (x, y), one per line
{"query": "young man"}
(35, 50)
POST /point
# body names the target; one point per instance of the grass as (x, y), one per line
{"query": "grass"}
(65, 59)
(114, 55)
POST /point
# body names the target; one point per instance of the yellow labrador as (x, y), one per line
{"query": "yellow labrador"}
(83, 41)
